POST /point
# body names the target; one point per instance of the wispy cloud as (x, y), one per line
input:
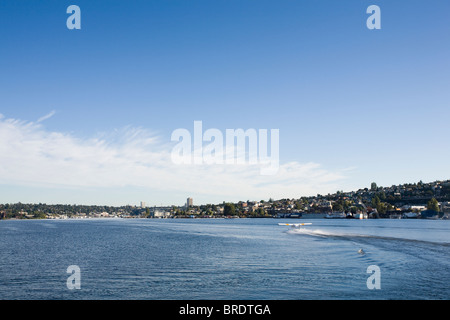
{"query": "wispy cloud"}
(47, 116)
(31, 155)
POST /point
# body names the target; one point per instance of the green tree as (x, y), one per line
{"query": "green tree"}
(433, 204)
(375, 201)
(382, 195)
(382, 208)
(373, 186)
(338, 207)
(229, 209)
(39, 215)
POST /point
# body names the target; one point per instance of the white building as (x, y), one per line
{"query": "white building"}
(161, 214)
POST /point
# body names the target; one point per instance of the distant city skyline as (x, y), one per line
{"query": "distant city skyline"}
(86, 115)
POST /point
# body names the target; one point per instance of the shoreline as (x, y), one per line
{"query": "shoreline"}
(214, 218)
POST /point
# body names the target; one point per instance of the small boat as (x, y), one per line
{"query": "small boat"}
(336, 215)
(410, 215)
(361, 216)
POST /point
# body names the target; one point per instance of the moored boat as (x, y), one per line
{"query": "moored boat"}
(336, 215)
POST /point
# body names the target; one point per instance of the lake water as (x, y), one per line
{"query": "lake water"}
(251, 259)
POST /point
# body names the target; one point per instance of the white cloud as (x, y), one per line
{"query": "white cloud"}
(30, 155)
(47, 116)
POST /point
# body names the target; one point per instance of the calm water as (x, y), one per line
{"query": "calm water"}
(224, 259)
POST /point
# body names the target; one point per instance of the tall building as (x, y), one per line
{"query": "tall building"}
(143, 204)
(189, 202)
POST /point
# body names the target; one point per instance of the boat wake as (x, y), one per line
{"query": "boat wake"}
(357, 236)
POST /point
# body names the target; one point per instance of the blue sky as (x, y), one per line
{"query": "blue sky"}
(353, 105)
